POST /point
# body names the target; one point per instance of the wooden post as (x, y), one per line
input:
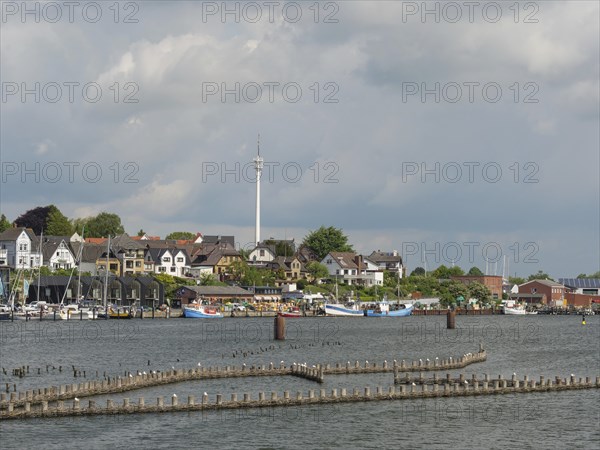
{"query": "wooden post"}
(279, 328)
(451, 319)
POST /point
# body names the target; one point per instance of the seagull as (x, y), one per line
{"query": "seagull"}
(199, 364)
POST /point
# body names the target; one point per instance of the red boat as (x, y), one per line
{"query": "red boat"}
(295, 312)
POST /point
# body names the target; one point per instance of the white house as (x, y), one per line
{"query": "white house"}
(391, 261)
(262, 253)
(173, 261)
(19, 249)
(350, 268)
(57, 254)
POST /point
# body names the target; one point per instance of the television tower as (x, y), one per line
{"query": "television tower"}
(258, 166)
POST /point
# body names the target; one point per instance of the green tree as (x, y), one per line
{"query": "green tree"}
(57, 223)
(516, 280)
(444, 272)
(103, 225)
(539, 276)
(207, 279)
(4, 223)
(480, 292)
(317, 270)
(181, 235)
(451, 292)
(79, 224)
(325, 240)
(281, 248)
(419, 271)
(475, 272)
(141, 232)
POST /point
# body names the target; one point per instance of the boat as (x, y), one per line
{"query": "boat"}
(337, 309)
(291, 313)
(383, 310)
(514, 311)
(197, 311)
(124, 312)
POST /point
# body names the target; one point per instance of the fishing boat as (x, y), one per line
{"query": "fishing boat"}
(514, 311)
(337, 309)
(383, 309)
(197, 311)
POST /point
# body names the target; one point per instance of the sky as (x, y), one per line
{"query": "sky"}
(453, 132)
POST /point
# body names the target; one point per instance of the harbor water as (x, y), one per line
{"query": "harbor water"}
(526, 345)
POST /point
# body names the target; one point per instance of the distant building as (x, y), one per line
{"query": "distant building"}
(588, 286)
(493, 282)
(391, 261)
(350, 268)
(553, 292)
(213, 294)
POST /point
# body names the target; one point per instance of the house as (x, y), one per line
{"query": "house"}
(57, 253)
(19, 249)
(130, 254)
(306, 254)
(390, 261)
(350, 268)
(125, 291)
(265, 293)
(262, 253)
(214, 259)
(554, 292)
(588, 286)
(291, 267)
(492, 282)
(108, 257)
(88, 255)
(172, 261)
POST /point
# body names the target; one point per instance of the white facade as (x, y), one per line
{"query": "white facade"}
(261, 254)
(62, 258)
(20, 254)
(172, 262)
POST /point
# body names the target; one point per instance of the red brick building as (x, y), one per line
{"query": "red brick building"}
(493, 282)
(553, 291)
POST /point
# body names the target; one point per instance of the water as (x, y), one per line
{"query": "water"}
(528, 345)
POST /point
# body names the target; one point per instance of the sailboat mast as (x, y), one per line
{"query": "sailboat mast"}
(106, 275)
(79, 263)
(39, 266)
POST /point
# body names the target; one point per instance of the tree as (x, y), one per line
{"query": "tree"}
(57, 223)
(141, 232)
(207, 279)
(444, 272)
(452, 291)
(539, 276)
(79, 224)
(516, 280)
(317, 270)
(4, 223)
(475, 272)
(282, 248)
(35, 219)
(480, 292)
(419, 271)
(103, 225)
(325, 240)
(181, 236)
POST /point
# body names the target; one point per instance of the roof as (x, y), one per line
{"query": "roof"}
(385, 257)
(544, 282)
(51, 243)
(123, 241)
(11, 234)
(576, 283)
(219, 239)
(344, 259)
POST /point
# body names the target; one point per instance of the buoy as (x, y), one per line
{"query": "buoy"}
(583, 320)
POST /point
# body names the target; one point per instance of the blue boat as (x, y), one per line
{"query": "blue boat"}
(196, 311)
(383, 310)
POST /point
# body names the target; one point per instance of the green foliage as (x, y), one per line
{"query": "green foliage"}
(539, 276)
(247, 275)
(4, 223)
(141, 232)
(103, 225)
(480, 292)
(443, 272)
(171, 283)
(325, 240)
(419, 271)
(452, 291)
(475, 271)
(593, 275)
(181, 235)
(57, 223)
(207, 279)
(281, 248)
(516, 280)
(317, 270)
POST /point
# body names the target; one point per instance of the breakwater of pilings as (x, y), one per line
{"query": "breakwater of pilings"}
(140, 380)
(401, 392)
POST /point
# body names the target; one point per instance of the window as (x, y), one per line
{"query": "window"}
(138, 264)
(172, 269)
(262, 253)
(180, 259)
(328, 261)
(162, 269)
(166, 259)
